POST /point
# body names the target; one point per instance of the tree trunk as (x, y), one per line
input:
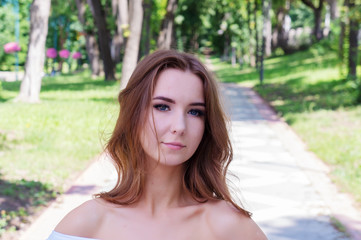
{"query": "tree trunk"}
(104, 39)
(167, 29)
(31, 84)
(132, 46)
(233, 56)
(267, 25)
(92, 47)
(352, 54)
(266, 5)
(318, 20)
(63, 35)
(283, 26)
(123, 10)
(146, 34)
(317, 11)
(226, 44)
(334, 11)
(256, 29)
(252, 59)
(120, 11)
(341, 40)
(194, 41)
(327, 22)
(116, 47)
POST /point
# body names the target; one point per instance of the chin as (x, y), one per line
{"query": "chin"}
(172, 162)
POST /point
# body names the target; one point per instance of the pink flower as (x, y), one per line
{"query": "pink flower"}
(76, 55)
(64, 53)
(11, 47)
(51, 53)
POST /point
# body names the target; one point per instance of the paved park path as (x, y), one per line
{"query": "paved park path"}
(285, 186)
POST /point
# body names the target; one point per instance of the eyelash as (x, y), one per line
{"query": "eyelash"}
(164, 107)
(160, 106)
(198, 113)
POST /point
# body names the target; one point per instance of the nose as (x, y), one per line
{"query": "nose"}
(178, 125)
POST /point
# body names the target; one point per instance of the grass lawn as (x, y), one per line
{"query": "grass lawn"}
(55, 139)
(306, 90)
(44, 146)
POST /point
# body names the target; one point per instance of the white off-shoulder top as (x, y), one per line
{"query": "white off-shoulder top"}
(59, 236)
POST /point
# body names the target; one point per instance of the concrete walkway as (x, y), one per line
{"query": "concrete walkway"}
(286, 187)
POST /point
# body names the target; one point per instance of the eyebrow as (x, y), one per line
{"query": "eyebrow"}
(172, 101)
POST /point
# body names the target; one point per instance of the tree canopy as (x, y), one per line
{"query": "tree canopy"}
(243, 32)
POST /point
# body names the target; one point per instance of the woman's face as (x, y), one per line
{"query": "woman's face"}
(175, 120)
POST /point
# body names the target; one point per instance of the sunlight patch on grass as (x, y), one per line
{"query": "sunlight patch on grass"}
(335, 136)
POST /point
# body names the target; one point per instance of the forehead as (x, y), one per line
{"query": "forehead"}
(176, 81)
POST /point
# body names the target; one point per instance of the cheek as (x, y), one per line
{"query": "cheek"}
(148, 136)
(159, 125)
(197, 133)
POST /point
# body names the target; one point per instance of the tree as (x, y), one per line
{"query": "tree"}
(252, 58)
(104, 39)
(317, 11)
(132, 47)
(189, 24)
(334, 11)
(255, 10)
(282, 8)
(353, 43)
(92, 47)
(267, 28)
(120, 12)
(166, 35)
(31, 84)
(146, 32)
(66, 30)
(342, 34)
(266, 6)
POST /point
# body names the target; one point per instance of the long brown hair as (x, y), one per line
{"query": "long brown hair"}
(205, 171)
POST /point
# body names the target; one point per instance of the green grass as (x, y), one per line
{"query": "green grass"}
(19, 199)
(53, 141)
(307, 91)
(44, 146)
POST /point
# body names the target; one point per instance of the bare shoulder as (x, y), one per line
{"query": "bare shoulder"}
(83, 220)
(228, 223)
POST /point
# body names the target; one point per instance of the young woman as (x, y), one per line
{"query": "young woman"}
(171, 149)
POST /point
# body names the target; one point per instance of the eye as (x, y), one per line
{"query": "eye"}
(161, 107)
(196, 112)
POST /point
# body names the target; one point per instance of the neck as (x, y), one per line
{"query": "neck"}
(164, 189)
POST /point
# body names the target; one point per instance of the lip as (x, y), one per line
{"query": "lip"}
(174, 145)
